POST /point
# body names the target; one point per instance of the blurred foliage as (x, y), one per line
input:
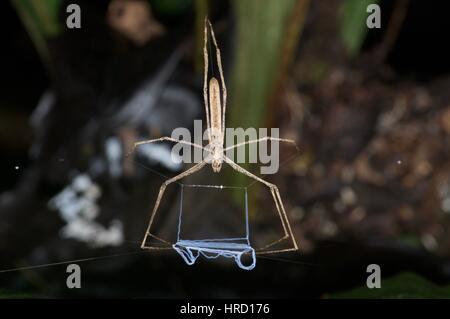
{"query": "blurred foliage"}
(14, 124)
(172, 7)
(410, 240)
(267, 36)
(4, 294)
(201, 11)
(43, 15)
(353, 28)
(402, 286)
(261, 28)
(41, 21)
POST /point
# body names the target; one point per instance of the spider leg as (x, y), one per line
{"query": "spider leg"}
(165, 138)
(262, 139)
(162, 189)
(280, 209)
(205, 79)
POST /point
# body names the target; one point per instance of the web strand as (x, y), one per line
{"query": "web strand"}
(290, 261)
(69, 262)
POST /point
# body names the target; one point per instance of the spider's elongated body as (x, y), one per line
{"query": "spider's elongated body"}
(215, 100)
(216, 135)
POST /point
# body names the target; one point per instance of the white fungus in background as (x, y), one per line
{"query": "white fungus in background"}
(77, 205)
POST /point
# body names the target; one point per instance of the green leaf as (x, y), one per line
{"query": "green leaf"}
(267, 35)
(353, 28)
(404, 285)
(41, 21)
(261, 26)
(4, 294)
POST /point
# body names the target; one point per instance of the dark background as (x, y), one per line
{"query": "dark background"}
(368, 185)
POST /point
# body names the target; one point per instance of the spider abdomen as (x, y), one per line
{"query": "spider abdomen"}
(215, 107)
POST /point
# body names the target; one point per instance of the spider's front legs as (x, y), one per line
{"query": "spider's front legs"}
(162, 189)
(279, 205)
